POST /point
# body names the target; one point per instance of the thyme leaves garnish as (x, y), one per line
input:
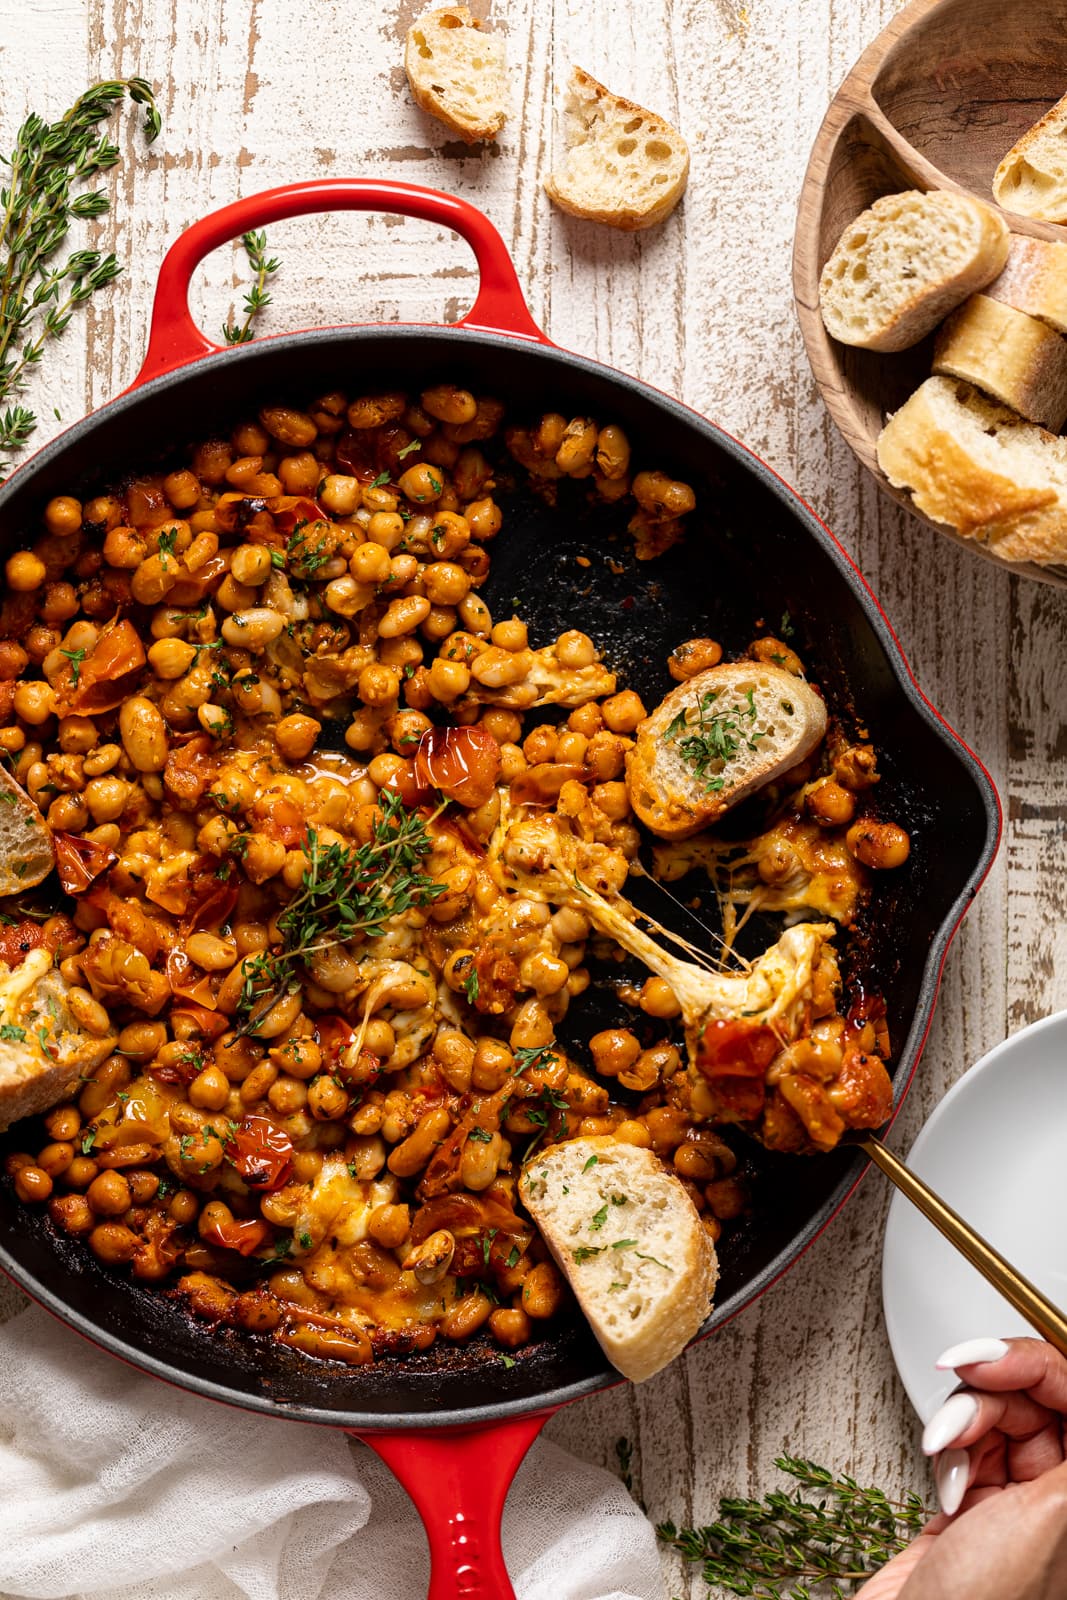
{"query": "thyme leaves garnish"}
(258, 297)
(710, 742)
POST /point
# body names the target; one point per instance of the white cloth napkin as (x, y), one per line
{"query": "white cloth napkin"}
(116, 1487)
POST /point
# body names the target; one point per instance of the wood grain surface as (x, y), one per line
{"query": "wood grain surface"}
(257, 92)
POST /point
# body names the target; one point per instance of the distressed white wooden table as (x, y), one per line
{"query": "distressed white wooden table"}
(258, 92)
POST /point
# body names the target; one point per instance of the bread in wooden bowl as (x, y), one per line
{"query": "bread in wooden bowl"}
(458, 73)
(1032, 178)
(1035, 281)
(27, 854)
(622, 165)
(715, 740)
(1010, 356)
(979, 469)
(630, 1243)
(44, 1049)
(905, 263)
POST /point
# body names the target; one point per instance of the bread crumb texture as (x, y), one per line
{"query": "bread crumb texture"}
(458, 73)
(623, 166)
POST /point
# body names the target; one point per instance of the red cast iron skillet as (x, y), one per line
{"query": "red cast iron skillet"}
(455, 1423)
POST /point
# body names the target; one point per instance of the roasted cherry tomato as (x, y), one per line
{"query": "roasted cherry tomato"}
(261, 1152)
(102, 679)
(244, 1237)
(79, 861)
(17, 939)
(463, 763)
(736, 1049)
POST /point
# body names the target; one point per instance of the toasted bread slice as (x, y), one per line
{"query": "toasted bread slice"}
(630, 1243)
(27, 854)
(905, 263)
(623, 165)
(44, 1050)
(977, 467)
(458, 73)
(1009, 355)
(715, 740)
(1032, 178)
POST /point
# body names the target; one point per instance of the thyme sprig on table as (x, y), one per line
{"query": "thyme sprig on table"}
(824, 1538)
(258, 298)
(343, 893)
(38, 205)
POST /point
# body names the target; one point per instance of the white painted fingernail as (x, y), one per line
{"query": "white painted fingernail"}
(946, 1425)
(951, 1474)
(972, 1352)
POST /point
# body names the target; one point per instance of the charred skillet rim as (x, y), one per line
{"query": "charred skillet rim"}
(138, 426)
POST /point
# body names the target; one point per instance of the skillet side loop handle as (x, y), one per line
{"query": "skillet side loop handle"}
(174, 338)
(459, 1481)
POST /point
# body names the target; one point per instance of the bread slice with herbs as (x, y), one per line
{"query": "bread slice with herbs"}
(44, 1049)
(1010, 356)
(1032, 178)
(27, 854)
(630, 1243)
(981, 470)
(717, 739)
(905, 263)
(622, 165)
(458, 72)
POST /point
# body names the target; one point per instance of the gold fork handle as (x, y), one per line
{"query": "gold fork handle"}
(1040, 1313)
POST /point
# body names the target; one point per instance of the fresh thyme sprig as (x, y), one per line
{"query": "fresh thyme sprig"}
(257, 299)
(824, 1538)
(343, 893)
(37, 207)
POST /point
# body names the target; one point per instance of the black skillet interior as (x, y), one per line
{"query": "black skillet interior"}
(754, 558)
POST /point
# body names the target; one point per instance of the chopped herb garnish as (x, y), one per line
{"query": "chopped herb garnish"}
(615, 1285)
(662, 1264)
(380, 481)
(624, 1244)
(714, 738)
(509, 1361)
(787, 629)
(305, 1241)
(586, 1252)
(416, 444)
(75, 657)
(487, 1241)
(619, 1199)
(11, 1034)
(482, 1135)
(88, 1141)
(512, 1257)
(599, 1218)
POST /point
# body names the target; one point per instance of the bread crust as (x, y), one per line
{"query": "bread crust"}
(1009, 355)
(27, 853)
(925, 449)
(675, 804)
(1035, 281)
(1007, 190)
(429, 98)
(35, 1072)
(628, 217)
(916, 314)
(684, 1301)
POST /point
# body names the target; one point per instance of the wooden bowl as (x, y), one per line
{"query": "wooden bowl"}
(936, 102)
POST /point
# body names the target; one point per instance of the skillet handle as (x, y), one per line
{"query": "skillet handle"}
(459, 1480)
(174, 338)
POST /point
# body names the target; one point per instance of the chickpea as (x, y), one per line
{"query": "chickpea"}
(63, 516)
(289, 427)
(25, 571)
(63, 1123)
(662, 496)
(612, 452)
(449, 404)
(32, 1184)
(326, 1099)
(253, 629)
(109, 1194)
(542, 1291)
(464, 1317)
(856, 767)
(389, 1226)
(613, 1051)
(695, 655)
(448, 679)
(251, 565)
(71, 1213)
(91, 1016)
(263, 858)
(68, 813)
(56, 1158)
(446, 583)
(624, 712)
(113, 1243)
(881, 845)
(144, 736)
(106, 798)
(295, 735)
(484, 518)
(387, 529)
(171, 658)
(33, 701)
(658, 999)
(141, 1041)
(210, 1089)
(421, 483)
(340, 495)
(831, 805)
(369, 564)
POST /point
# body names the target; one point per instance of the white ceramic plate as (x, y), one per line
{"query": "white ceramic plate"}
(995, 1149)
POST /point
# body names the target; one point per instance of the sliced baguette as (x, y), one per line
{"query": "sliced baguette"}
(630, 1243)
(1032, 178)
(767, 718)
(27, 854)
(1035, 281)
(979, 469)
(55, 1050)
(458, 73)
(1008, 355)
(623, 165)
(905, 263)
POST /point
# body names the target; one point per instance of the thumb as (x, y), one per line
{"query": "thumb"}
(888, 1583)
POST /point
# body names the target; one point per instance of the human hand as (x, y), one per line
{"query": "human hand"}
(1001, 1448)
